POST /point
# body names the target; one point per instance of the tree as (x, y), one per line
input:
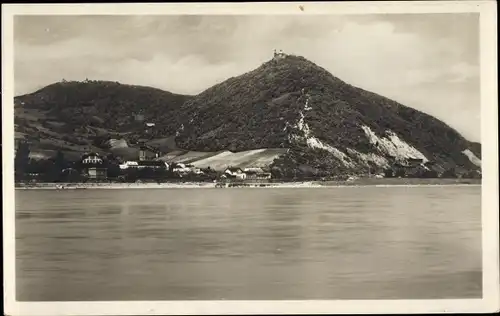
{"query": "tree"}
(146, 173)
(131, 175)
(58, 165)
(60, 161)
(114, 170)
(449, 173)
(100, 140)
(21, 160)
(276, 173)
(388, 173)
(473, 174)
(70, 175)
(430, 174)
(400, 173)
(50, 172)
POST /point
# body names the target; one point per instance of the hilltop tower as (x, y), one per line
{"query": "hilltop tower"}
(279, 55)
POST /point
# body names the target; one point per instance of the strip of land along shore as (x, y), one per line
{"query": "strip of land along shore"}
(311, 184)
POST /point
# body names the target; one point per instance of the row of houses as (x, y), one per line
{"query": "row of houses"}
(247, 173)
(93, 164)
(141, 164)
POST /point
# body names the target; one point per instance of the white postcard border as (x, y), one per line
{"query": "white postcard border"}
(489, 129)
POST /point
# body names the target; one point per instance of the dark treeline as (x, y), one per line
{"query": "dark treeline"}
(61, 169)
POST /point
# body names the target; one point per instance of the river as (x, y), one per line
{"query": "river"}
(249, 244)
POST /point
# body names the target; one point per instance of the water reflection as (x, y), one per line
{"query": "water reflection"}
(339, 243)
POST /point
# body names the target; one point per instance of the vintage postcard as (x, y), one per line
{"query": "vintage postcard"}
(250, 158)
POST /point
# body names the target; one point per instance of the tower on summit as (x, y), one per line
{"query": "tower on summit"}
(279, 55)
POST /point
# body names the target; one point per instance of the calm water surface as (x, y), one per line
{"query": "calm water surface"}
(206, 244)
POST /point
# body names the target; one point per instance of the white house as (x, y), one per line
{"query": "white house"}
(235, 173)
(196, 170)
(257, 173)
(129, 164)
(181, 168)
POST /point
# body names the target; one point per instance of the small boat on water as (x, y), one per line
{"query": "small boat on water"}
(62, 187)
(72, 188)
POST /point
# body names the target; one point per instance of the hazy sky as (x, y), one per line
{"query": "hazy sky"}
(426, 61)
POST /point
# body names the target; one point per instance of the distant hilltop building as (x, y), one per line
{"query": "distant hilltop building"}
(279, 55)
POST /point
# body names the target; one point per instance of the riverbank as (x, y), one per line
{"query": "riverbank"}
(308, 184)
(401, 181)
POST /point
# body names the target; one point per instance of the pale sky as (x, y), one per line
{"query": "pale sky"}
(427, 61)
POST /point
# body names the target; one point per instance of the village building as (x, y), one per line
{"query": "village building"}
(148, 153)
(93, 166)
(183, 169)
(149, 127)
(92, 159)
(180, 168)
(197, 171)
(257, 174)
(153, 164)
(237, 173)
(129, 164)
(97, 173)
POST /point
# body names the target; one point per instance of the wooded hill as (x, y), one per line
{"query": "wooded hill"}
(288, 102)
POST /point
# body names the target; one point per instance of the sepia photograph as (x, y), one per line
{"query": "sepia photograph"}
(241, 158)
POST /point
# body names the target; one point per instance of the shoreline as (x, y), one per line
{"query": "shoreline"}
(392, 182)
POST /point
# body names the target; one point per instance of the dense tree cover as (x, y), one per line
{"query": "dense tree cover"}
(82, 116)
(105, 104)
(410, 173)
(449, 173)
(306, 163)
(21, 160)
(57, 169)
(60, 169)
(259, 108)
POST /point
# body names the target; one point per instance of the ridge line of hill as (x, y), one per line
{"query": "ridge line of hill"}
(327, 125)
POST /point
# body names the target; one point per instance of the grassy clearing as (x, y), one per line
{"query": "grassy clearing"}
(249, 158)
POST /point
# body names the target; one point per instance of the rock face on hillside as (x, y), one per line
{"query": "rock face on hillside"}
(327, 124)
